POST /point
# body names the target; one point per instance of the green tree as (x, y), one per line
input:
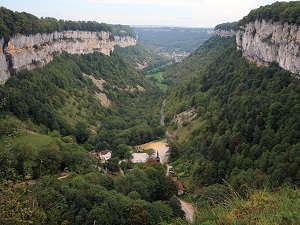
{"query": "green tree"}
(50, 158)
(82, 133)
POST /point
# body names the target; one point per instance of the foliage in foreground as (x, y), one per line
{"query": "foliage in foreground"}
(258, 207)
(89, 198)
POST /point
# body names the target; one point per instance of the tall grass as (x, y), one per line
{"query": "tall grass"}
(261, 207)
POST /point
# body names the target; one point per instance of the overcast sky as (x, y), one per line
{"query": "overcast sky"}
(187, 13)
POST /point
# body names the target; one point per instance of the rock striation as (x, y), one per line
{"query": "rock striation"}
(28, 52)
(266, 41)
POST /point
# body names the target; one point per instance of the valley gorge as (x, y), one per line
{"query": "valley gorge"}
(76, 107)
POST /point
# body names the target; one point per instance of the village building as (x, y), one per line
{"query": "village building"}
(104, 155)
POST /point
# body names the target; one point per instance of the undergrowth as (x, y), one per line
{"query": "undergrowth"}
(259, 207)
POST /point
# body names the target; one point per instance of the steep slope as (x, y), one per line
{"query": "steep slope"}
(60, 96)
(245, 127)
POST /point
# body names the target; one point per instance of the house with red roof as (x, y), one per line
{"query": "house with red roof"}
(104, 155)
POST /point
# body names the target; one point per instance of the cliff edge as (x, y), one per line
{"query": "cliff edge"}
(267, 41)
(28, 52)
(269, 33)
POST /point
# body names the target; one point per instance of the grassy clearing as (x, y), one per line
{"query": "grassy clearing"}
(36, 140)
(159, 83)
(184, 131)
(155, 75)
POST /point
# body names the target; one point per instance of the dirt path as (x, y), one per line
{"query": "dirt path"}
(188, 209)
(63, 175)
(162, 116)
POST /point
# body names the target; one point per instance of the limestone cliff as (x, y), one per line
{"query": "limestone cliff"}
(267, 41)
(225, 33)
(28, 52)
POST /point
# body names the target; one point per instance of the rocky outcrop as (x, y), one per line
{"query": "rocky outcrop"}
(28, 52)
(124, 42)
(266, 41)
(225, 33)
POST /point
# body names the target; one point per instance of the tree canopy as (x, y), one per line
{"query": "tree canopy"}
(279, 11)
(12, 23)
(247, 126)
(227, 26)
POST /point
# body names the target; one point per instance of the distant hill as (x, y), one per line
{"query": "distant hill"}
(173, 39)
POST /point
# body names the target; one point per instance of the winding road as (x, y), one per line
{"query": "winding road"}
(188, 209)
(162, 116)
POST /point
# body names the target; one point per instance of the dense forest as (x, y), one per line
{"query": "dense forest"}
(51, 119)
(247, 126)
(227, 26)
(12, 23)
(278, 11)
(233, 130)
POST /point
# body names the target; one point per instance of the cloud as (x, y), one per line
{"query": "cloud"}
(203, 13)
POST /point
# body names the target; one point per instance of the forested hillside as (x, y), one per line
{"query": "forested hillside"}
(170, 39)
(233, 130)
(142, 57)
(51, 117)
(246, 129)
(243, 132)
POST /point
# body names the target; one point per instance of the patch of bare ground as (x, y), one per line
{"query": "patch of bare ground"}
(63, 175)
(187, 115)
(105, 102)
(132, 89)
(141, 66)
(30, 132)
(158, 146)
(140, 88)
(188, 209)
(98, 83)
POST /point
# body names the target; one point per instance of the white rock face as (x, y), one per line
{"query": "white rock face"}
(29, 52)
(225, 33)
(265, 41)
(125, 41)
(4, 72)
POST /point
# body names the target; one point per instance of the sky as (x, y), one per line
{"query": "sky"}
(180, 13)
